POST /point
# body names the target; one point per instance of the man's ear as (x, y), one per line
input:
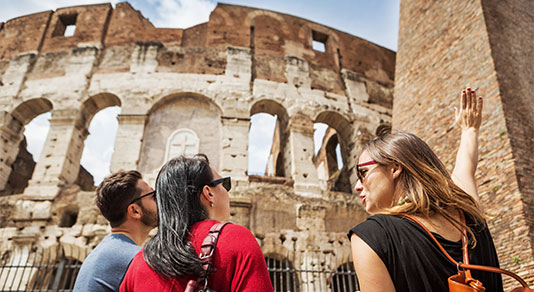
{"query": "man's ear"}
(134, 211)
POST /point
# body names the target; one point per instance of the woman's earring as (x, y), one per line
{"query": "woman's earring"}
(404, 200)
(211, 204)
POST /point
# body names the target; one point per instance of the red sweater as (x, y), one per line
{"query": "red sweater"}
(238, 259)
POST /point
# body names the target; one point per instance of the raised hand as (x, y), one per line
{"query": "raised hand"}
(469, 118)
(469, 115)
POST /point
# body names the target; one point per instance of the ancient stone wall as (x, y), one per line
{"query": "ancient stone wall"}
(188, 89)
(445, 46)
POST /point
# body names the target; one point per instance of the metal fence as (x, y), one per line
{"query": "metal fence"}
(312, 273)
(50, 270)
(56, 270)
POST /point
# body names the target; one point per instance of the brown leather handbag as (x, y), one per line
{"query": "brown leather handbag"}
(463, 282)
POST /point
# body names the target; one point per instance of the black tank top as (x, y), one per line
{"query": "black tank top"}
(414, 261)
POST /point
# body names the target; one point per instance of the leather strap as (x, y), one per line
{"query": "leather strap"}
(206, 253)
(465, 255)
(208, 245)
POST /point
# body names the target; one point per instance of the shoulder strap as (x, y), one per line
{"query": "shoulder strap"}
(464, 248)
(206, 253)
(210, 242)
(434, 238)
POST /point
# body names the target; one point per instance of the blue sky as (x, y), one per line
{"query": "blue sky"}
(373, 20)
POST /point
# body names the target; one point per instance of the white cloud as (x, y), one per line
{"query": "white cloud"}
(181, 13)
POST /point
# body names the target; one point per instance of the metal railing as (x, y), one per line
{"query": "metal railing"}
(312, 273)
(54, 270)
(50, 270)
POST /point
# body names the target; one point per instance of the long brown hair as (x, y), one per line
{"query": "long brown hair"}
(424, 179)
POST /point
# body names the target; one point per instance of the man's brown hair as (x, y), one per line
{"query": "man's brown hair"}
(115, 193)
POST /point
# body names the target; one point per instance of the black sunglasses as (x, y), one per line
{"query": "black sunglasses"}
(140, 197)
(226, 182)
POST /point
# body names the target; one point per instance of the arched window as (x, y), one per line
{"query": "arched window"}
(329, 159)
(98, 149)
(268, 139)
(182, 142)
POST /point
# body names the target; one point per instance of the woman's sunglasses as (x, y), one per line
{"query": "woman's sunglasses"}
(226, 182)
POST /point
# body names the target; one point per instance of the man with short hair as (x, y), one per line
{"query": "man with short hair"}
(128, 203)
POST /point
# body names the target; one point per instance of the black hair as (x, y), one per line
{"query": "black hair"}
(178, 187)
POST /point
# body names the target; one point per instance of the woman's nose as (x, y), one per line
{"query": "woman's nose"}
(358, 188)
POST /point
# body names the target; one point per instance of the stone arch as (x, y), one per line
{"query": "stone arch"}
(338, 180)
(218, 12)
(169, 97)
(87, 111)
(279, 160)
(249, 20)
(13, 144)
(178, 111)
(341, 124)
(94, 104)
(29, 109)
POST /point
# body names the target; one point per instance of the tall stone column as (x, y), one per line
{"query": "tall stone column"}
(128, 142)
(59, 162)
(486, 45)
(303, 170)
(11, 134)
(235, 148)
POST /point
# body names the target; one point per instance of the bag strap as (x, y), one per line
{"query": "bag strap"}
(461, 265)
(207, 249)
(208, 246)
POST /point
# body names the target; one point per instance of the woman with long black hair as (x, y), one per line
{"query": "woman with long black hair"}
(191, 198)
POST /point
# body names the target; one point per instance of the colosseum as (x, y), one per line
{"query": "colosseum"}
(183, 91)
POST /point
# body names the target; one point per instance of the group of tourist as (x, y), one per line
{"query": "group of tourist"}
(401, 183)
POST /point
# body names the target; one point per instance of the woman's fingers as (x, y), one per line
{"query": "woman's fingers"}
(463, 100)
(480, 105)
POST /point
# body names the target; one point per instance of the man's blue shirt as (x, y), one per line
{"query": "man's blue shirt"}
(105, 266)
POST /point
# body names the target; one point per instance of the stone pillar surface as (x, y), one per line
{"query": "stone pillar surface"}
(445, 46)
(59, 162)
(11, 134)
(128, 142)
(14, 77)
(235, 148)
(303, 170)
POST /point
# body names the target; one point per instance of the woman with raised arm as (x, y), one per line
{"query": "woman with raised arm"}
(400, 175)
(192, 197)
